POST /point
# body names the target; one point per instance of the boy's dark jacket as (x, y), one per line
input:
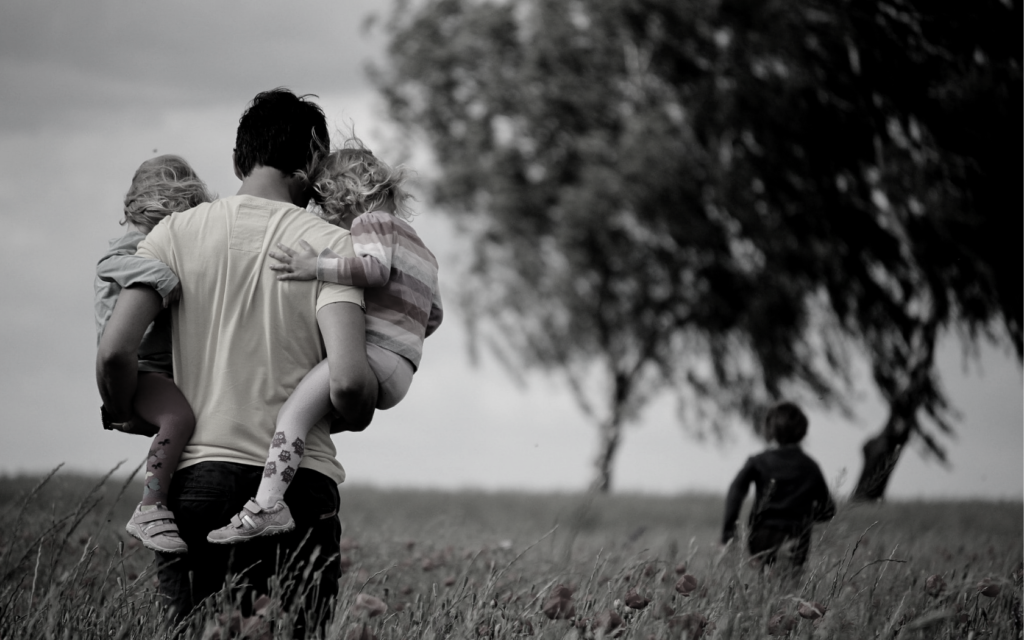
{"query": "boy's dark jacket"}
(790, 492)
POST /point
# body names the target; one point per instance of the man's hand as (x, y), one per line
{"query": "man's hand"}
(117, 362)
(136, 426)
(339, 424)
(295, 265)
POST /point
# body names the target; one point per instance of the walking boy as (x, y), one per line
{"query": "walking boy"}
(790, 493)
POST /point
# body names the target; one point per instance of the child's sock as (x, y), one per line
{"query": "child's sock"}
(160, 465)
(286, 450)
(310, 401)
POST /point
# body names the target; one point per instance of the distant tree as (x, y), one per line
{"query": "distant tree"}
(713, 199)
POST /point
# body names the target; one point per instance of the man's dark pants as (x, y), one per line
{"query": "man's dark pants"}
(204, 496)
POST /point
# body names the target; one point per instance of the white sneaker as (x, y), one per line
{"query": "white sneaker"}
(253, 521)
(156, 529)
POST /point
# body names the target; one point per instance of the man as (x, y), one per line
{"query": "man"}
(242, 341)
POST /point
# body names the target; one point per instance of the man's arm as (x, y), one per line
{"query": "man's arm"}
(117, 361)
(353, 385)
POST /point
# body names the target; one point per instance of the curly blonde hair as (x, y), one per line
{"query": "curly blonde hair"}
(161, 186)
(351, 180)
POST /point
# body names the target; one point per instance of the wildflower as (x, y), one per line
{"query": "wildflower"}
(686, 584)
(811, 610)
(636, 601)
(559, 604)
(369, 605)
(360, 633)
(989, 588)
(934, 585)
(608, 621)
(781, 624)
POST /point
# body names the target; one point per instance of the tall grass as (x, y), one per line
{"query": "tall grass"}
(480, 565)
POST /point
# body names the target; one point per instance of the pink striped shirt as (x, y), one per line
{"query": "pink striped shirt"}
(399, 277)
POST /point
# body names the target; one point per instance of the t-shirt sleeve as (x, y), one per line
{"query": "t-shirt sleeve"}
(129, 270)
(329, 292)
(157, 244)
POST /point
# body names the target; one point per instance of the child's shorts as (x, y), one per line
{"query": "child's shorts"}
(394, 375)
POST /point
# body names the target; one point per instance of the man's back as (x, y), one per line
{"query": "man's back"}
(242, 339)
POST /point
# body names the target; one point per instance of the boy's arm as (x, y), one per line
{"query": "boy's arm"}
(373, 240)
(367, 271)
(734, 500)
(117, 360)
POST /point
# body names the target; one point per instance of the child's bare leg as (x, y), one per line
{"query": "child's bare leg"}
(310, 402)
(160, 402)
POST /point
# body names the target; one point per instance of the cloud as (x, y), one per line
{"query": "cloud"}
(69, 62)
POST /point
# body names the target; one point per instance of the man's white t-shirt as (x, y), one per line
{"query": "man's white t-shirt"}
(242, 340)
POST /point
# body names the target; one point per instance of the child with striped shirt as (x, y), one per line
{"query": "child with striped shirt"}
(398, 274)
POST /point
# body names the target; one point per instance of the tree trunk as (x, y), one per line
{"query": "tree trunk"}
(611, 432)
(905, 378)
(880, 456)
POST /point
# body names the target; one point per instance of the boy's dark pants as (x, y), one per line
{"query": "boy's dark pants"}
(766, 541)
(204, 496)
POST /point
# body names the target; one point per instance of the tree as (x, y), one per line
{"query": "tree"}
(715, 199)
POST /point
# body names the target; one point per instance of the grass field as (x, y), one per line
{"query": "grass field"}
(481, 565)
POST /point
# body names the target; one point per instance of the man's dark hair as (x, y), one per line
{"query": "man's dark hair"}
(785, 423)
(280, 130)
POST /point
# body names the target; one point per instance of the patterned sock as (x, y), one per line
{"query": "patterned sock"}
(286, 452)
(160, 465)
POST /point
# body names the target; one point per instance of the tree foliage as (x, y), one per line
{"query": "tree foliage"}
(715, 198)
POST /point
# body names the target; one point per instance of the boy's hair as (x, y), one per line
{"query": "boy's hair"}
(161, 186)
(280, 130)
(785, 423)
(353, 179)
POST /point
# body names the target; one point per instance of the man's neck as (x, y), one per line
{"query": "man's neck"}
(272, 184)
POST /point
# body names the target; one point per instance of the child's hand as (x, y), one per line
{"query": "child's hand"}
(295, 265)
(173, 296)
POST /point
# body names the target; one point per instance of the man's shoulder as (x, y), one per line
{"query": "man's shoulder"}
(305, 225)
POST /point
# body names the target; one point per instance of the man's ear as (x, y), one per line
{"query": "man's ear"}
(234, 164)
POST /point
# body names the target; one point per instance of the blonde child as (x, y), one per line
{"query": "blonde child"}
(354, 190)
(160, 187)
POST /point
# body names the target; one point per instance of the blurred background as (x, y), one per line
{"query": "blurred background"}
(652, 220)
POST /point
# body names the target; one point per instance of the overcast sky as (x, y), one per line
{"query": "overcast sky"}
(90, 90)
